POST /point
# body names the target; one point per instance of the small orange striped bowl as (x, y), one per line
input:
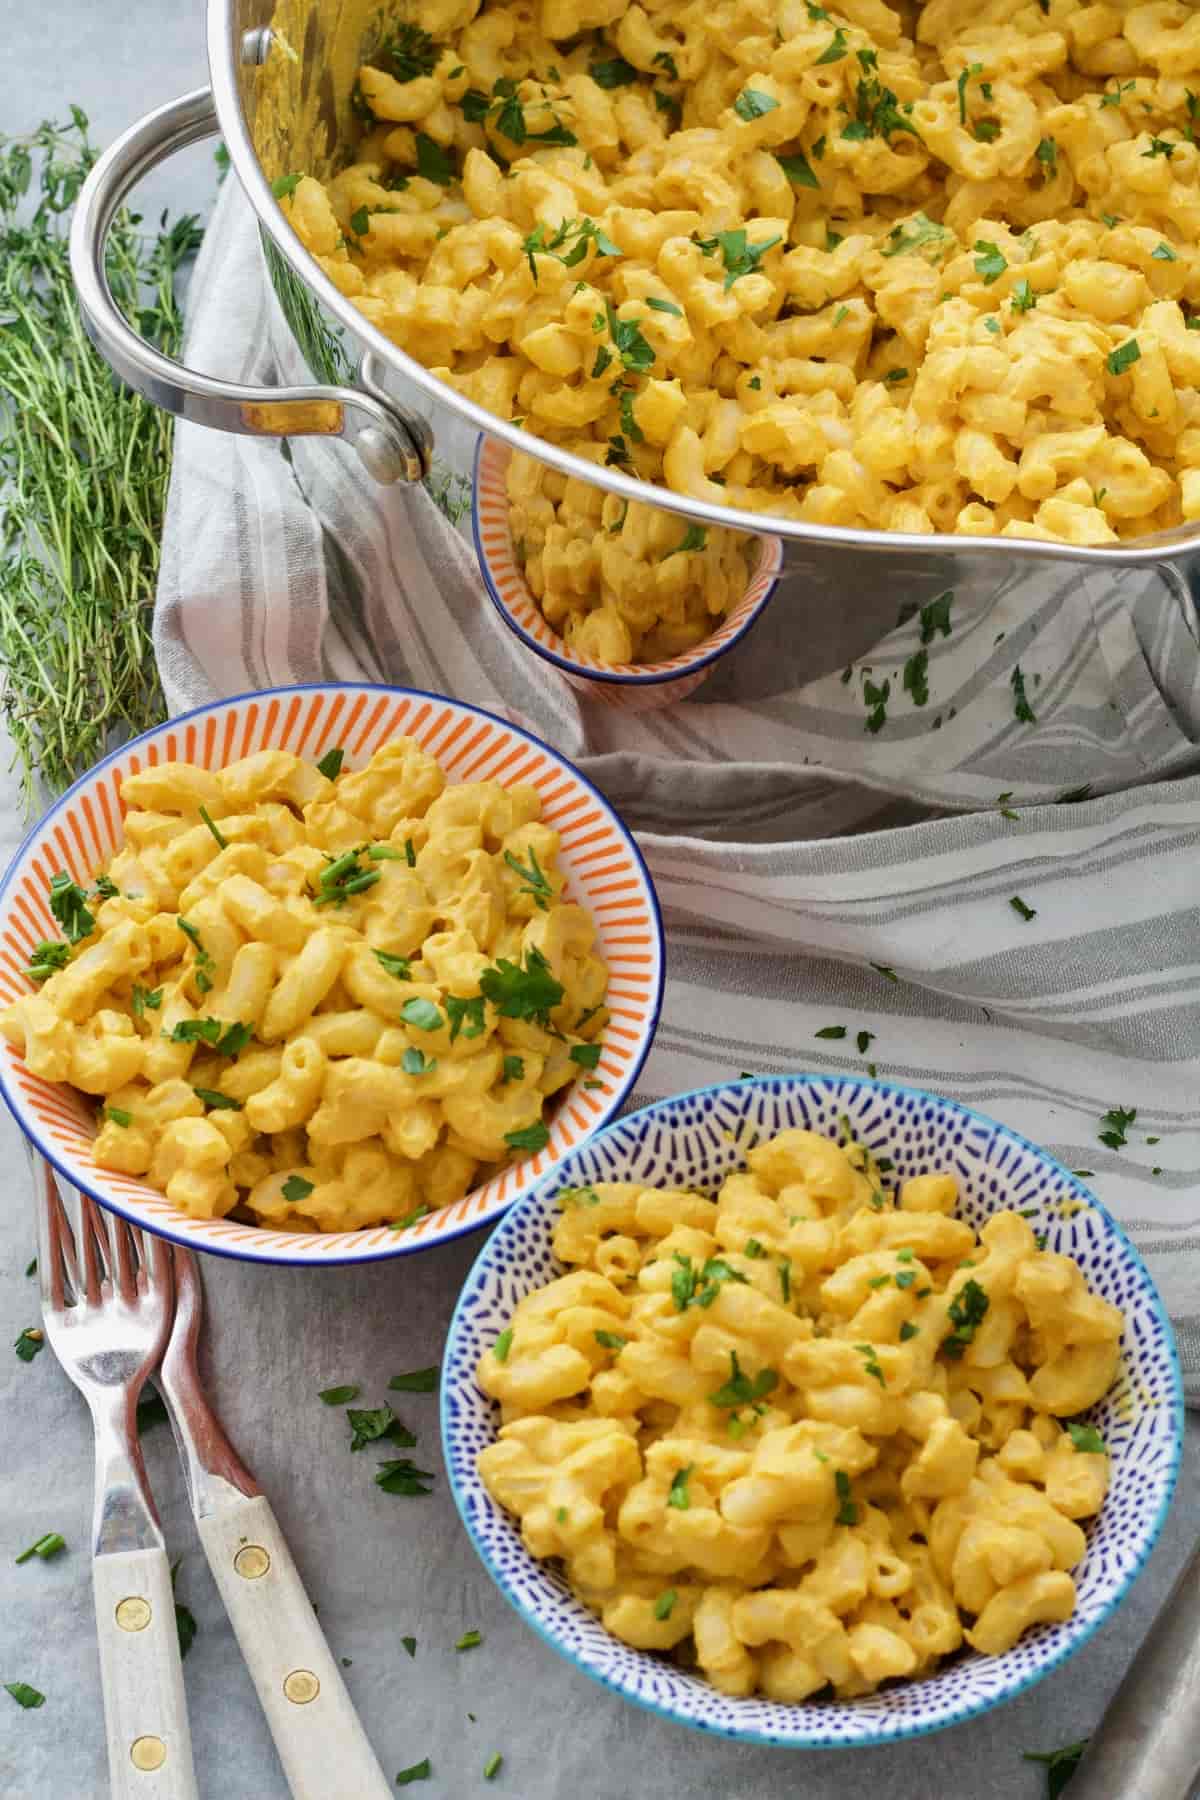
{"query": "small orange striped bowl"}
(634, 687)
(604, 873)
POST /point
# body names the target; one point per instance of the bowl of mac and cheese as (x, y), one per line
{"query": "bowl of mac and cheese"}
(628, 604)
(324, 974)
(811, 1410)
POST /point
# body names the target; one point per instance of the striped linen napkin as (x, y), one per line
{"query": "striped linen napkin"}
(994, 900)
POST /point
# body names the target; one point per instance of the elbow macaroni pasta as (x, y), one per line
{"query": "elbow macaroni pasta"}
(328, 999)
(807, 1435)
(620, 582)
(912, 267)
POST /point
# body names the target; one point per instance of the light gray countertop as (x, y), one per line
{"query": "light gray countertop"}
(378, 1567)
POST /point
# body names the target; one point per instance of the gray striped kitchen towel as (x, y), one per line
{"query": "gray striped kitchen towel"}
(813, 873)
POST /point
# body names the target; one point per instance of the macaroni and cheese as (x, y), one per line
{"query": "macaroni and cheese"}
(620, 582)
(916, 267)
(809, 1435)
(327, 998)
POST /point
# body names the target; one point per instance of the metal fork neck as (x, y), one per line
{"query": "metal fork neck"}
(124, 1517)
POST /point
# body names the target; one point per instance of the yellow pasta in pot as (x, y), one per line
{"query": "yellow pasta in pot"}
(807, 270)
(809, 1434)
(322, 999)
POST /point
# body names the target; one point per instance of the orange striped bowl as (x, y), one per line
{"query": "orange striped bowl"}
(604, 873)
(633, 687)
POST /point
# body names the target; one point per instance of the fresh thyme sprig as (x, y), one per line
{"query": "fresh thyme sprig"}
(85, 475)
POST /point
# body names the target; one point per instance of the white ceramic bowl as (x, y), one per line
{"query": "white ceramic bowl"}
(633, 687)
(697, 1139)
(604, 873)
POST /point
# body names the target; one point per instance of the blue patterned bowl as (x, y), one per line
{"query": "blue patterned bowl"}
(695, 1140)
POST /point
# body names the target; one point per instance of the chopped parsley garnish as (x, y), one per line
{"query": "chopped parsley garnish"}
(422, 1014)
(513, 1069)
(1116, 1122)
(798, 169)
(1060, 1765)
(785, 1279)
(206, 819)
(665, 1604)
(1123, 357)
(296, 1188)
(339, 1396)
(876, 697)
(1021, 707)
(415, 1062)
(47, 958)
(503, 1345)
(119, 1116)
(915, 234)
(529, 1137)
(739, 256)
(68, 903)
(368, 1425)
(530, 993)
(408, 54)
(586, 1055)
(863, 1041)
(847, 1512)
(877, 112)
(398, 966)
(533, 878)
(740, 1390)
(835, 50)
(403, 1477)
(694, 538)
(465, 1016)
(831, 1031)
(226, 1040)
(470, 1640)
(966, 1312)
(577, 233)
(989, 261)
(751, 104)
(1026, 912)
(908, 1330)
(1085, 1438)
(491, 1767)
(678, 1496)
(284, 186)
(1047, 155)
(344, 877)
(610, 1340)
(1163, 253)
(664, 306)
(662, 59)
(1023, 297)
(613, 74)
(24, 1695)
(883, 969)
(753, 1249)
(415, 1772)
(29, 1342)
(143, 1000)
(330, 764)
(214, 1100)
(969, 70)
(1161, 147)
(916, 677)
(433, 162)
(871, 1363)
(203, 964)
(635, 352)
(692, 1287)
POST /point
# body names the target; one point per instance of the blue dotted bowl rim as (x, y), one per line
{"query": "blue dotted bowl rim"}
(584, 671)
(537, 1199)
(160, 1228)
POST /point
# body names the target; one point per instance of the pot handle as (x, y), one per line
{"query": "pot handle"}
(391, 445)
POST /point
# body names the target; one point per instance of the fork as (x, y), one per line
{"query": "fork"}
(321, 1743)
(107, 1306)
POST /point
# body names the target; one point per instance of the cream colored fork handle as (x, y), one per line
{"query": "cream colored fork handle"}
(145, 1713)
(321, 1743)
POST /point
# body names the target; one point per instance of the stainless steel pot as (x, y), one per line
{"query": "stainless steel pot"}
(282, 72)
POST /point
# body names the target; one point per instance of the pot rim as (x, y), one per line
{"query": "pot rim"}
(223, 57)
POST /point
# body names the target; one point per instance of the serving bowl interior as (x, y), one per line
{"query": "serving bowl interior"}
(604, 873)
(695, 1140)
(633, 687)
